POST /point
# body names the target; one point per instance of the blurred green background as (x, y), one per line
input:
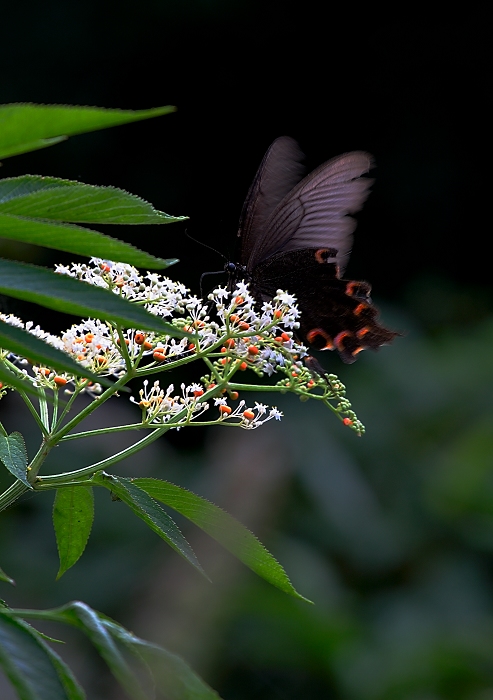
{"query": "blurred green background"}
(392, 534)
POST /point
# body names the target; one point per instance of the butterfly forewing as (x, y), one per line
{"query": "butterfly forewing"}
(280, 170)
(315, 213)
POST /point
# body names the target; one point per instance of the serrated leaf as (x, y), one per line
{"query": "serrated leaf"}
(71, 238)
(73, 515)
(89, 621)
(173, 677)
(5, 577)
(25, 344)
(225, 529)
(54, 199)
(27, 127)
(33, 668)
(150, 512)
(64, 293)
(13, 454)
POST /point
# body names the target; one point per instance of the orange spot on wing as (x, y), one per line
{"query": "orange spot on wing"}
(359, 309)
(338, 340)
(312, 335)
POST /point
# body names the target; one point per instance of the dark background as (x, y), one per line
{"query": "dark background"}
(391, 535)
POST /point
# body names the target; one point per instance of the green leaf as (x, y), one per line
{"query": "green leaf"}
(25, 344)
(5, 577)
(89, 621)
(13, 454)
(33, 668)
(173, 677)
(53, 199)
(150, 512)
(76, 239)
(28, 127)
(73, 515)
(9, 379)
(222, 527)
(64, 293)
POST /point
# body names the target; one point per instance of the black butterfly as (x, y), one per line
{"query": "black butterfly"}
(297, 236)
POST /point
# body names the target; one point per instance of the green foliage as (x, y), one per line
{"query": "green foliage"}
(34, 669)
(62, 293)
(20, 341)
(73, 515)
(223, 528)
(28, 127)
(151, 513)
(41, 211)
(124, 341)
(13, 454)
(37, 673)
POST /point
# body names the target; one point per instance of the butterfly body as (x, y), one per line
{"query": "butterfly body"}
(297, 236)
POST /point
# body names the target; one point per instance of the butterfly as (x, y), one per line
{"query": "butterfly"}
(296, 234)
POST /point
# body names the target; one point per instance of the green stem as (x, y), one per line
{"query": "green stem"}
(56, 479)
(43, 410)
(54, 415)
(111, 391)
(124, 349)
(69, 405)
(33, 412)
(10, 495)
(35, 465)
(104, 431)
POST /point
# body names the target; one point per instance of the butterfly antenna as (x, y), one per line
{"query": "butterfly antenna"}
(206, 246)
(204, 274)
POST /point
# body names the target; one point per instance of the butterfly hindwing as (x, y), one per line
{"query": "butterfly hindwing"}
(336, 314)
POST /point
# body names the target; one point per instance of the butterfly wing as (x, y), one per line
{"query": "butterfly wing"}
(280, 170)
(336, 314)
(298, 237)
(315, 213)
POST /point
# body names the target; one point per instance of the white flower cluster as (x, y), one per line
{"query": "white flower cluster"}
(160, 295)
(160, 406)
(229, 327)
